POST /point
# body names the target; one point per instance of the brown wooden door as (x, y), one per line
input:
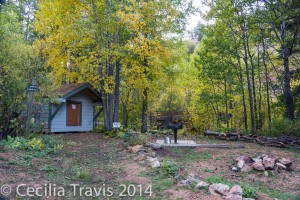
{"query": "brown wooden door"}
(73, 114)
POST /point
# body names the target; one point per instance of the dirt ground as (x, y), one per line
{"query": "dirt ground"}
(92, 161)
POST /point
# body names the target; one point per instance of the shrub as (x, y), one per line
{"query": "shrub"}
(44, 144)
(248, 191)
(133, 139)
(84, 174)
(283, 127)
(170, 168)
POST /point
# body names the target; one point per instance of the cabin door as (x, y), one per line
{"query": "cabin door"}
(73, 114)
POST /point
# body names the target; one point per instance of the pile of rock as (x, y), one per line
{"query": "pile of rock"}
(186, 181)
(220, 189)
(262, 163)
(152, 159)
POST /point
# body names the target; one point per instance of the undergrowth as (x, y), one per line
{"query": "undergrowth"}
(41, 146)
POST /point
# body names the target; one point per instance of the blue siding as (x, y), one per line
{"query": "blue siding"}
(59, 122)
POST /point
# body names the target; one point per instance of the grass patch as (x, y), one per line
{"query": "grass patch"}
(49, 169)
(160, 181)
(261, 187)
(84, 174)
(190, 155)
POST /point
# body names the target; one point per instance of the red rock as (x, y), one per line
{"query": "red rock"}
(258, 166)
(235, 193)
(247, 159)
(247, 168)
(286, 162)
(268, 163)
(241, 163)
(219, 189)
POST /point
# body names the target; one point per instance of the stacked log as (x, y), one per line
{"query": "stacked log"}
(284, 141)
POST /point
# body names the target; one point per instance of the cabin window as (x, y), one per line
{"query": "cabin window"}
(73, 114)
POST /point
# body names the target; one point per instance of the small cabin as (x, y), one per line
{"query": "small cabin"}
(73, 111)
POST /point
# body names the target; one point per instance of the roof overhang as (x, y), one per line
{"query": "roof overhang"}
(85, 87)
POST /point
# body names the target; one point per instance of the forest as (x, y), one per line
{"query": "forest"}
(238, 71)
(90, 91)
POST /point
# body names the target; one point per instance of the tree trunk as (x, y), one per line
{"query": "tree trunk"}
(248, 80)
(267, 80)
(110, 70)
(253, 84)
(260, 121)
(216, 102)
(240, 79)
(104, 102)
(226, 105)
(287, 77)
(145, 111)
(117, 86)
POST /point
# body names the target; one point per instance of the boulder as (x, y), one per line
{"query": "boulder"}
(241, 163)
(141, 155)
(219, 189)
(155, 164)
(268, 163)
(247, 168)
(247, 159)
(285, 161)
(257, 159)
(136, 148)
(235, 169)
(258, 166)
(280, 165)
(193, 178)
(153, 154)
(154, 146)
(201, 185)
(185, 183)
(235, 193)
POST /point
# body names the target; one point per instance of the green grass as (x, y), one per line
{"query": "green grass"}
(190, 155)
(160, 181)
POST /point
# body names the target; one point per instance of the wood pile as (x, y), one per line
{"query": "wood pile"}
(262, 163)
(284, 141)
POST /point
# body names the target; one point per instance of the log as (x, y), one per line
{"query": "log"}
(222, 146)
(284, 141)
(213, 133)
(208, 132)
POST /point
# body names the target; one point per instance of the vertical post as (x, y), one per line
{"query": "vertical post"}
(31, 89)
(175, 135)
(29, 111)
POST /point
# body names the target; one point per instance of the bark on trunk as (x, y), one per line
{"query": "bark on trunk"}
(117, 86)
(248, 80)
(145, 111)
(260, 121)
(253, 84)
(240, 79)
(267, 81)
(226, 105)
(287, 77)
(104, 102)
